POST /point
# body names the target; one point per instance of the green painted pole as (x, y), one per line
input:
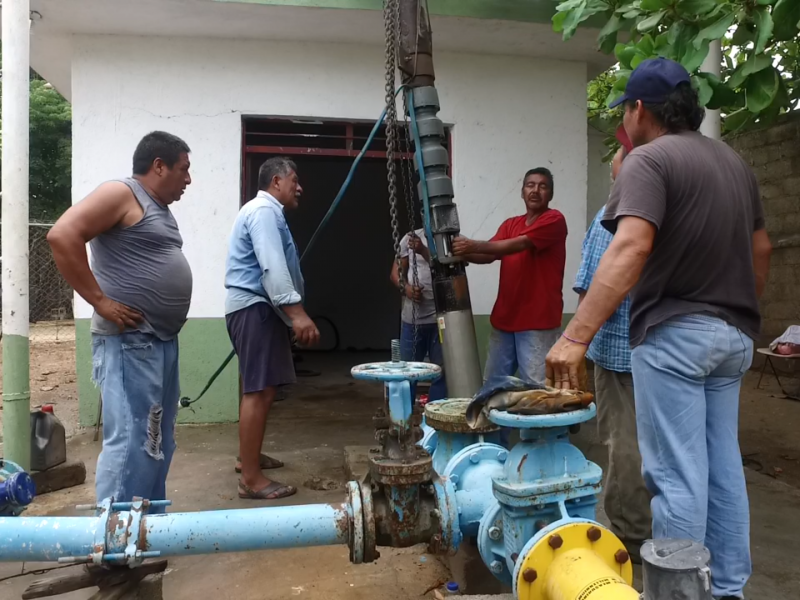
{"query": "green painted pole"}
(15, 136)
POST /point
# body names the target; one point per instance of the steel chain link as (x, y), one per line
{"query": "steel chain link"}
(391, 23)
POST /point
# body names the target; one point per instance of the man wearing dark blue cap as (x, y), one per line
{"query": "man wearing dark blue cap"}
(691, 248)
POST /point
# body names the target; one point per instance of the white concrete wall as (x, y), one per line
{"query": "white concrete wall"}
(599, 175)
(508, 114)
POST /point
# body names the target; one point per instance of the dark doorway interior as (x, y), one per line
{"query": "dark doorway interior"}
(347, 271)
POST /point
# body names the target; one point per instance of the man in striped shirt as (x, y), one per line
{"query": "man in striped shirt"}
(627, 501)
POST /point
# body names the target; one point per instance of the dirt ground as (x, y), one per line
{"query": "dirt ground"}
(53, 378)
(309, 431)
(768, 422)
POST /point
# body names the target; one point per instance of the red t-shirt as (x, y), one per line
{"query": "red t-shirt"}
(530, 281)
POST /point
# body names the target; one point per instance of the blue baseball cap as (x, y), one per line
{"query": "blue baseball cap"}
(653, 81)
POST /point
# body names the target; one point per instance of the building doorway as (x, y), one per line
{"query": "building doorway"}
(348, 291)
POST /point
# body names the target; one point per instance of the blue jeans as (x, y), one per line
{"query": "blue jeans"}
(523, 351)
(138, 378)
(687, 376)
(428, 344)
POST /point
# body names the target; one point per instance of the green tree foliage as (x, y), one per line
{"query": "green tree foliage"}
(760, 40)
(50, 151)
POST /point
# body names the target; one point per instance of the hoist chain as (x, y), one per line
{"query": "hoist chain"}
(391, 22)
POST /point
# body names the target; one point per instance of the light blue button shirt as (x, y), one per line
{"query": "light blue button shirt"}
(263, 263)
(611, 347)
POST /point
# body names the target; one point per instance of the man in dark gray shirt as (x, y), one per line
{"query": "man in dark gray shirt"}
(140, 286)
(691, 248)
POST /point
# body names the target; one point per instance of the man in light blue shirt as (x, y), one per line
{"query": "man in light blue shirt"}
(264, 300)
(627, 501)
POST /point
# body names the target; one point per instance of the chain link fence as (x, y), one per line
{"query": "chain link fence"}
(50, 296)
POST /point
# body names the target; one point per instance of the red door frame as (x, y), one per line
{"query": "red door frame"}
(348, 151)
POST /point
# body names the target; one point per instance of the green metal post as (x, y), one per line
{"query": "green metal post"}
(15, 135)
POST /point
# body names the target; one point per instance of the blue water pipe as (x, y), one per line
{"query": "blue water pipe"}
(77, 539)
(16, 489)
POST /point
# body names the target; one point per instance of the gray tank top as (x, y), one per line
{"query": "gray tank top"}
(143, 266)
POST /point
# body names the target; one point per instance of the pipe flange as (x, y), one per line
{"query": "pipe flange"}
(449, 537)
(396, 371)
(561, 537)
(368, 509)
(472, 455)
(491, 544)
(450, 415)
(134, 549)
(409, 471)
(356, 541)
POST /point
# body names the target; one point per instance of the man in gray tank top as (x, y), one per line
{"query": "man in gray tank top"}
(140, 286)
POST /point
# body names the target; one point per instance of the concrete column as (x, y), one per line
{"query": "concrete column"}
(712, 64)
(15, 114)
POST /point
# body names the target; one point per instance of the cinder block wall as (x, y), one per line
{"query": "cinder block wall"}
(774, 155)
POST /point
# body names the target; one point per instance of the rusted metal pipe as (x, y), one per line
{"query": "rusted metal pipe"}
(415, 48)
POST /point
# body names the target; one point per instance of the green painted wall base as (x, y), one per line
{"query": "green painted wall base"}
(16, 400)
(204, 344)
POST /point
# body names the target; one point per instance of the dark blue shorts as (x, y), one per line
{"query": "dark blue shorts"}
(263, 346)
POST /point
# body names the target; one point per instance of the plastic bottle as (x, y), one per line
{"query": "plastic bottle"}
(48, 440)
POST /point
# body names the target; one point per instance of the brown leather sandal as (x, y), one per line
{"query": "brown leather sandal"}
(273, 491)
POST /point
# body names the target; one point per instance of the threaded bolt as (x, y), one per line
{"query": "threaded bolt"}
(622, 557)
(496, 567)
(494, 533)
(555, 541)
(530, 575)
(395, 350)
(594, 534)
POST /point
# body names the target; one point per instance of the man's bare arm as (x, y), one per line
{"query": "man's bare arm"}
(466, 247)
(617, 273)
(394, 277)
(304, 329)
(109, 205)
(479, 259)
(762, 250)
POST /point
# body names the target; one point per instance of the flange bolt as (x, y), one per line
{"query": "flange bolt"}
(555, 541)
(530, 575)
(494, 533)
(594, 534)
(622, 557)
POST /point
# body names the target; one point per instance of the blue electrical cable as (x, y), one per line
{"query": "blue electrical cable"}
(348, 179)
(426, 208)
(185, 401)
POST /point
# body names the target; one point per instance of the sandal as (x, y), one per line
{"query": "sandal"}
(265, 462)
(273, 491)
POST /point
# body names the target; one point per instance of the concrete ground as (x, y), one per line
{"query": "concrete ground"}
(308, 432)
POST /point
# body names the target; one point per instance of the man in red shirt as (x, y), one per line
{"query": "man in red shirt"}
(526, 319)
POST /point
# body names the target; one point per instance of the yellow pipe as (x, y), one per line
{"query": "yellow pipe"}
(581, 574)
